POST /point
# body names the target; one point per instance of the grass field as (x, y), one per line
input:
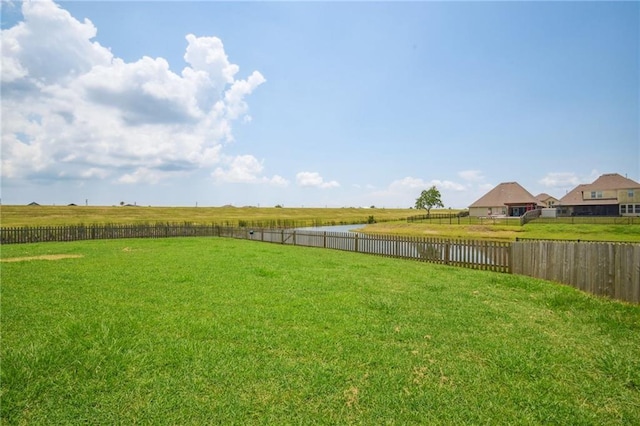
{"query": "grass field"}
(555, 231)
(390, 221)
(232, 216)
(208, 330)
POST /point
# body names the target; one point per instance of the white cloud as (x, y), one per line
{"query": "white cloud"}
(50, 46)
(560, 180)
(245, 169)
(367, 186)
(567, 180)
(207, 55)
(403, 192)
(408, 183)
(71, 107)
(313, 179)
(234, 97)
(447, 184)
(278, 181)
(95, 172)
(141, 175)
(411, 185)
(472, 175)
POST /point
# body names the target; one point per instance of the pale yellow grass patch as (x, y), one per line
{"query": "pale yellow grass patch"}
(351, 396)
(42, 257)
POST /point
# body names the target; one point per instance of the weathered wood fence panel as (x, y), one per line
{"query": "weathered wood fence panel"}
(98, 232)
(604, 269)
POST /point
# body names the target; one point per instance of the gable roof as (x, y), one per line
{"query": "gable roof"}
(544, 198)
(504, 194)
(610, 181)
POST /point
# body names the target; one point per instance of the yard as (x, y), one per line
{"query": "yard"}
(499, 232)
(201, 330)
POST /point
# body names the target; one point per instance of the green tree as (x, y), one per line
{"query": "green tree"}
(428, 199)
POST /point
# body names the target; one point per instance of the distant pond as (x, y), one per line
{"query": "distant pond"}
(333, 228)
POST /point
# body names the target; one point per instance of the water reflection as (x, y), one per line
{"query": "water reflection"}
(333, 228)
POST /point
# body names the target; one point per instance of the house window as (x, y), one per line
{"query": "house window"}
(629, 208)
(630, 193)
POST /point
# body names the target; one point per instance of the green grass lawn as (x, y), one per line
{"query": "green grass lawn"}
(499, 232)
(218, 331)
(594, 232)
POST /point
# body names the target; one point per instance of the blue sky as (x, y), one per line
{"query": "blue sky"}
(314, 103)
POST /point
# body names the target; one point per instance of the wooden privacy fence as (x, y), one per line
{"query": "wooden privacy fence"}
(605, 269)
(486, 255)
(103, 232)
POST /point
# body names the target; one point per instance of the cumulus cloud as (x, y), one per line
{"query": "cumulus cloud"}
(71, 107)
(403, 192)
(411, 183)
(313, 179)
(245, 169)
(560, 180)
(50, 46)
(407, 183)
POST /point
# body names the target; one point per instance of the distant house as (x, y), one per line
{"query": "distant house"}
(506, 199)
(546, 200)
(609, 195)
(33, 203)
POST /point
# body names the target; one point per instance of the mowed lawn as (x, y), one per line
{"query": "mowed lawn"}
(220, 331)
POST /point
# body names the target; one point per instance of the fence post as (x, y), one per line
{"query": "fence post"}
(510, 258)
(446, 252)
(356, 243)
(324, 239)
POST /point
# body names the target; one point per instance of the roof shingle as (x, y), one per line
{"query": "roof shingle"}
(605, 182)
(504, 194)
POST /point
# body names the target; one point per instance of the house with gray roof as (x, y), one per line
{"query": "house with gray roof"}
(506, 199)
(609, 195)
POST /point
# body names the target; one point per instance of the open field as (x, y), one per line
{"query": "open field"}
(390, 221)
(201, 330)
(559, 231)
(228, 216)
